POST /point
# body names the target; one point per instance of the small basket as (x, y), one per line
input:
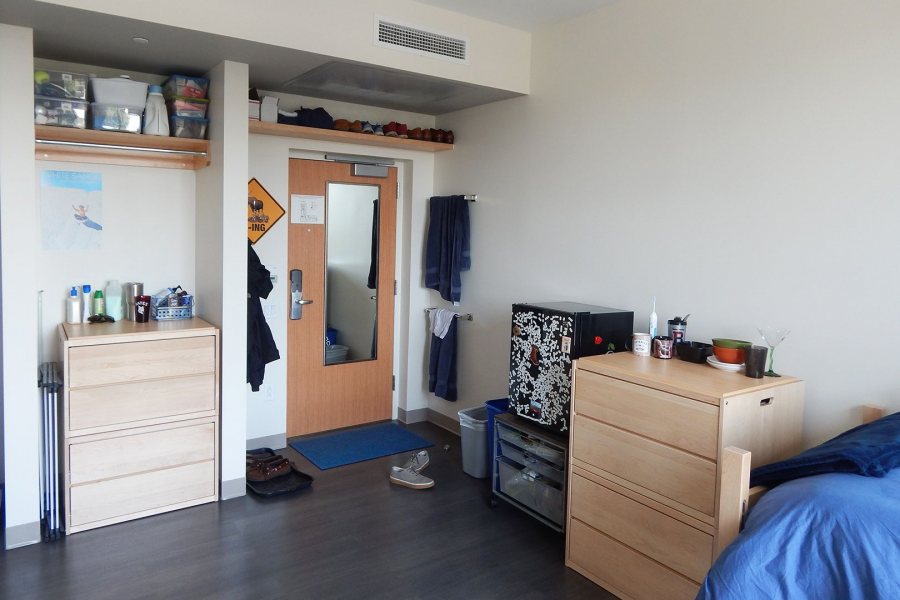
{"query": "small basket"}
(171, 313)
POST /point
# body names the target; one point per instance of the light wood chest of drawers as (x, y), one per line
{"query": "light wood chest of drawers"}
(646, 478)
(139, 419)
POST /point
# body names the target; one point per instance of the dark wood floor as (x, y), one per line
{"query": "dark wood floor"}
(353, 535)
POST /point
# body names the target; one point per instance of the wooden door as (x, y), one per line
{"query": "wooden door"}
(321, 396)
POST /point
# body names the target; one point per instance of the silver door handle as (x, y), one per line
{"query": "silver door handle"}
(297, 300)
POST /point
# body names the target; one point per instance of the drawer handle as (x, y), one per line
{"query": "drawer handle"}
(765, 402)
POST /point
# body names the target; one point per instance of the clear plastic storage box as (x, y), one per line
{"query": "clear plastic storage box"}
(188, 127)
(532, 490)
(187, 107)
(60, 111)
(60, 84)
(185, 86)
(111, 117)
(119, 91)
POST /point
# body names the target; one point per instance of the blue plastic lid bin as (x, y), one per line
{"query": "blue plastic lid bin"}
(494, 408)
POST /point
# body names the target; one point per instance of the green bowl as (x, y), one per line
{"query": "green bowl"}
(730, 343)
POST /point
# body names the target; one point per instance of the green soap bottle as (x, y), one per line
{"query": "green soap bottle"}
(99, 303)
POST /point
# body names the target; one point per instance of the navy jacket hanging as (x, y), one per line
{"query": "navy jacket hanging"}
(447, 246)
(261, 348)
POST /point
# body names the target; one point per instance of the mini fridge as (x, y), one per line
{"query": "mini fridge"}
(546, 338)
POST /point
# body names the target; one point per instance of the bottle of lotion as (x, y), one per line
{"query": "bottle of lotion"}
(73, 307)
(86, 302)
(653, 320)
(99, 303)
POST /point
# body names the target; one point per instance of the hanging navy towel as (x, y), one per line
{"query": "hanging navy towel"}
(447, 246)
(442, 364)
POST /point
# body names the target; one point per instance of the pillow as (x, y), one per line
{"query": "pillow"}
(872, 450)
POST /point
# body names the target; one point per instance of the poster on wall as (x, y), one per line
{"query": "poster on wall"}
(263, 211)
(71, 210)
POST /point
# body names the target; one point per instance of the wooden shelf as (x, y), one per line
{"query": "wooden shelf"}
(118, 148)
(333, 135)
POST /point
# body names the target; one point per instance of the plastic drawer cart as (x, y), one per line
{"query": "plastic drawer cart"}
(529, 469)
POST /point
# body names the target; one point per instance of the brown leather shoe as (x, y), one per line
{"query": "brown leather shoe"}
(356, 126)
(426, 134)
(342, 124)
(448, 138)
(437, 135)
(265, 471)
(415, 134)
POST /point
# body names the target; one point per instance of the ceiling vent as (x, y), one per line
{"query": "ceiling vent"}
(419, 41)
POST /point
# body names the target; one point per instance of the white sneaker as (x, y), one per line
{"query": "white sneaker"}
(410, 479)
(417, 462)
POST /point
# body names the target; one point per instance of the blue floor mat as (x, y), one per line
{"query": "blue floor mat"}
(331, 450)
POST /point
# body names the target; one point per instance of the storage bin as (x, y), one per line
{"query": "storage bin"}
(553, 472)
(61, 112)
(335, 353)
(494, 408)
(171, 313)
(113, 117)
(119, 91)
(532, 490)
(533, 446)
(187, 107)
(185, 86)
(473, 436)
(60, 84)
(188, 127)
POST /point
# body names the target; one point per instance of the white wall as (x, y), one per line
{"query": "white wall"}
(18, 238)
(737, 160)
(498, 56)
(269, 157)
(148, 236)
(221, 258)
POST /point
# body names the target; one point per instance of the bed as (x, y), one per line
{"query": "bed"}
(831, 534)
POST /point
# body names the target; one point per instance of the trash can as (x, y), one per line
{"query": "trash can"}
(472, 432)
(494, 408)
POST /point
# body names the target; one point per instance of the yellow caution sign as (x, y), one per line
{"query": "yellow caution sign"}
(263, 211)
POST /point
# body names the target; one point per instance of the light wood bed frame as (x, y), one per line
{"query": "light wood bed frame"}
(738, 497)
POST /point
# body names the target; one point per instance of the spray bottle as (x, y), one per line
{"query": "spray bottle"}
(653, 320)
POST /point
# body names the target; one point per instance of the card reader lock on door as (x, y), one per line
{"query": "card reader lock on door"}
(297, 300)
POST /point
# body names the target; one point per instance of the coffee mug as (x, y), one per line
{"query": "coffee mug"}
(662, 347)
(640, 344)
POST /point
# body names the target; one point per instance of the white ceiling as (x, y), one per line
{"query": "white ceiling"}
(529, 15)
(74, 36)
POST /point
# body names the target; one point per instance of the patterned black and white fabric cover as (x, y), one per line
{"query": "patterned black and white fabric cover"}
(540, 369)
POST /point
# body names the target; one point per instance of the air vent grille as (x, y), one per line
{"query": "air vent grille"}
(420, 41)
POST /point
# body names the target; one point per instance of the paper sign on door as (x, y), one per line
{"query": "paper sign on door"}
(307, 209)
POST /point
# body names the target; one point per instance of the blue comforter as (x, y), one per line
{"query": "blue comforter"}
(834, 536)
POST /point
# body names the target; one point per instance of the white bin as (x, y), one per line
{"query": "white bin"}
(473, 434)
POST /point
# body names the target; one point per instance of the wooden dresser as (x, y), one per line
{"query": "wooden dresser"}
(139, 419)
(650, 479)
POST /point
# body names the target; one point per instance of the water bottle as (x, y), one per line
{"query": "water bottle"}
(114, 300)
(156, 121)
